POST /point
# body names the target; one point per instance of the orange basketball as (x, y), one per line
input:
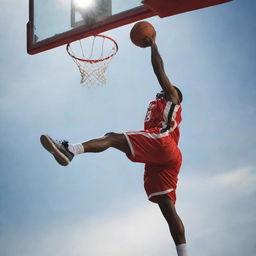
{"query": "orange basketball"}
(141, 30)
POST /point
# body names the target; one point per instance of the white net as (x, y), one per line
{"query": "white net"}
(92, 56)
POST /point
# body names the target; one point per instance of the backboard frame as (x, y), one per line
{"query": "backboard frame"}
(148, 9)
(80, 32)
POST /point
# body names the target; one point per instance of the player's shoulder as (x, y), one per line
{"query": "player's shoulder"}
(170, 102)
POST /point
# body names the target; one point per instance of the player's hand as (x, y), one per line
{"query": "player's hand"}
(149, 41)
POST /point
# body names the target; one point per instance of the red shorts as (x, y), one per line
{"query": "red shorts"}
(162, 159)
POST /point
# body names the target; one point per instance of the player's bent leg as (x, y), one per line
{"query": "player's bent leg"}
(64, 152)
(111, 139)
(175, 224)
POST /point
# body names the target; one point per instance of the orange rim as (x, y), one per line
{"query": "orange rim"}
(68, 48)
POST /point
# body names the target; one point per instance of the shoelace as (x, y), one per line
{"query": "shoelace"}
(63, 142)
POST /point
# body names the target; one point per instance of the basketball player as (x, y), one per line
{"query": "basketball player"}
(156, 146)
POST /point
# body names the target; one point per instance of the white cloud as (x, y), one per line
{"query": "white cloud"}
(142, 231)
(217, 207)
(243, 178)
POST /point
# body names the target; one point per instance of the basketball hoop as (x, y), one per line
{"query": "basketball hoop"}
(92, 56)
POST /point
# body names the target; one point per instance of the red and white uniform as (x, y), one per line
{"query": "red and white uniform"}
(157, 147)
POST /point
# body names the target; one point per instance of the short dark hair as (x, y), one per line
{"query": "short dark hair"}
(179, 93)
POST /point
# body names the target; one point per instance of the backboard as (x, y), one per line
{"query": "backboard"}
(53, 23)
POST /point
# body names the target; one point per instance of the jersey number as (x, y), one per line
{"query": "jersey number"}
(148, 115)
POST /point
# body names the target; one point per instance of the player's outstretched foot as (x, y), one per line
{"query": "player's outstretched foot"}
(59, 149)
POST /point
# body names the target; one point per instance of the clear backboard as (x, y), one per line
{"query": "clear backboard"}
(53, 23)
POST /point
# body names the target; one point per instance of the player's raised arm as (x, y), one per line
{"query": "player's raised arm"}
(158, 67)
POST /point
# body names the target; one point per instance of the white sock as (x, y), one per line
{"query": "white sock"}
(182, 250)
(76, 148)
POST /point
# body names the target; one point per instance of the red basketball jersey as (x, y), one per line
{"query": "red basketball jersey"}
(164, 115)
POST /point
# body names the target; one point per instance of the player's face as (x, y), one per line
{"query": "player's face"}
(160, 95)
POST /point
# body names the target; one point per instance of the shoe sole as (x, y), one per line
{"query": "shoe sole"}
(51, 148)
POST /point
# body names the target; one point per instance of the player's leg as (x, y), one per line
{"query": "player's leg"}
(64, 152)
(175, 224)
(111, 139)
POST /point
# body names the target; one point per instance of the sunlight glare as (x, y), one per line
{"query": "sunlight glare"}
(84, 4)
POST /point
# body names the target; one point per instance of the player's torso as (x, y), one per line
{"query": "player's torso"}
(164, 115)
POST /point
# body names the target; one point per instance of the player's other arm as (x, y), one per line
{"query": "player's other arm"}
(164, 82)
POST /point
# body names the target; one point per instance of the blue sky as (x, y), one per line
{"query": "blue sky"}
(97, 205)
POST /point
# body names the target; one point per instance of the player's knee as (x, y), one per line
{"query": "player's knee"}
(166, 205)
(111, 137)
(117, 140)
